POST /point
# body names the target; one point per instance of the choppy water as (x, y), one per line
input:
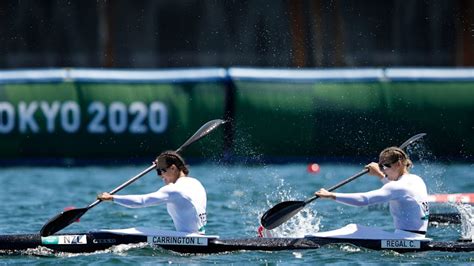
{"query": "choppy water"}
(237, 196)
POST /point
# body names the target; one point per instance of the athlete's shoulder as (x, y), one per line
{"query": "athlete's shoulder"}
(166, 188)
(191, 179)
(411, 177)
(188, 181)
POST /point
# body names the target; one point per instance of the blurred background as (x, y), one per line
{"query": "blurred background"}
(163, 34)
(93, 80)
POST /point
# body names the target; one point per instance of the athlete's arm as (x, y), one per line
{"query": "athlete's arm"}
(145, 200)
(384, 194)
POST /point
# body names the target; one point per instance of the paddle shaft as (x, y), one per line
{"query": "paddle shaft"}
(365, 171)
(283, 211)
(204, 130)
(340, 184)
(65, 218)
(133, 179)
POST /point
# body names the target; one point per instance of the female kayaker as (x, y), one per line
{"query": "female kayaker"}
(406, 193)
(185, 197)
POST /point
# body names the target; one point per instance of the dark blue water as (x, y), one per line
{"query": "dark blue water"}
(237, 197)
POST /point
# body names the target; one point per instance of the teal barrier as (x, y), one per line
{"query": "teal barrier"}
(334, 113)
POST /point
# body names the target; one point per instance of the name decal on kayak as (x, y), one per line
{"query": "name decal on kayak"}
(177, 240)
(64, 240)
(104, 241)
(400, 243)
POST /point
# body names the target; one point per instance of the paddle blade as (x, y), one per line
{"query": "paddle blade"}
(280, 213)
(202, 131)
(62, 220)
(411, 140)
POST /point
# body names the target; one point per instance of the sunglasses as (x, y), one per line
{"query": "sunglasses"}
(384, 166)
(160, 171)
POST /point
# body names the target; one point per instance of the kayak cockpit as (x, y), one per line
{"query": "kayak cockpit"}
(355, 231)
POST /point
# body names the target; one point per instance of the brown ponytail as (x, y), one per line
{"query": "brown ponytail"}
(393, 154)
(168, 158)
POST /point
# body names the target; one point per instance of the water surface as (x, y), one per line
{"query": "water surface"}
(237, 196)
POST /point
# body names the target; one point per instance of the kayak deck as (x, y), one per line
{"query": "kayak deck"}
(95, 241)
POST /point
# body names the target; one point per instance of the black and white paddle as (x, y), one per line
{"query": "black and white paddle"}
(67, 217)
(283, 211)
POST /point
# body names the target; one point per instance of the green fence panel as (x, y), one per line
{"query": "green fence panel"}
(351, 113)
(104, 119)
(108, 114)
(305, 120)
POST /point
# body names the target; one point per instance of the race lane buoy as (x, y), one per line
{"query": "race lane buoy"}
(262, 232)
(313, 168)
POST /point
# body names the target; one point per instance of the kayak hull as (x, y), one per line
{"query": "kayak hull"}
(96, 241)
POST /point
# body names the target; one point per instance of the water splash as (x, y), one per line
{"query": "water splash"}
(273, 188)
(303, 223)
(467, 220)
(47, 252)
(434, 176)
(423, 159)
(298, 255)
